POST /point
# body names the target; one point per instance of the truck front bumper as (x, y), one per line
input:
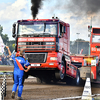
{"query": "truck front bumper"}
(45, 65)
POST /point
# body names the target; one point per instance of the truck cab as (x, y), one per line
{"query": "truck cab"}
(47, 47)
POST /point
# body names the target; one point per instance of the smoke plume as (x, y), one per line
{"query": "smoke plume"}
(36, 4)
(84, 6)
(78, 7)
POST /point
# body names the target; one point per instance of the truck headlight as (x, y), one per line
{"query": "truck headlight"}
(53, 58)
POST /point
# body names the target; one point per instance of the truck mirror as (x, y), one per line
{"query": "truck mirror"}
(14, 30)
(63, 29)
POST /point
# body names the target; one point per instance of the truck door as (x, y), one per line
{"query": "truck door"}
(71, 71)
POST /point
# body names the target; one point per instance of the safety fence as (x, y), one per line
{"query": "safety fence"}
(3, 88)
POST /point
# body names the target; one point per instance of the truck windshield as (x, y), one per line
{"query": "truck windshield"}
(96, 38)
(37, 28)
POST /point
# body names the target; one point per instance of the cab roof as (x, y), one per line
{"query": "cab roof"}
(42, 20)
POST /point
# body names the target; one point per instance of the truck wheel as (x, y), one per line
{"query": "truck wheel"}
(77, 79)
(60, 74)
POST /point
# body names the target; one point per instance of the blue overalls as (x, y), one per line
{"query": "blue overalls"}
(18, 74)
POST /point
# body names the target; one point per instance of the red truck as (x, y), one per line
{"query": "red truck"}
(47, 47)
(95, 51)
(89, 65)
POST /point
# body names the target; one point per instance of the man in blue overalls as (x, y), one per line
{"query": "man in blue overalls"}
(19, 63)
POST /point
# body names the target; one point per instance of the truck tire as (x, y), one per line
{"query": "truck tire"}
(60, 74)
(77, 79)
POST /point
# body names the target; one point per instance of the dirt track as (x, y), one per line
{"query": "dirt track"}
(6, 68)
(34, 91)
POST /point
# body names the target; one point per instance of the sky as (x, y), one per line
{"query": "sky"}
(78, 13)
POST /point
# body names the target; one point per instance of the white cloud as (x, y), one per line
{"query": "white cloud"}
(14, 11)
(20, 9)
(11, 12)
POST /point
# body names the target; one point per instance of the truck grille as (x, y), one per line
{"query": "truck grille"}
(36, 57)
(36, 46)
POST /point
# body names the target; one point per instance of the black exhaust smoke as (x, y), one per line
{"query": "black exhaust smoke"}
(36, 5)
(84, 6)
(78, 7)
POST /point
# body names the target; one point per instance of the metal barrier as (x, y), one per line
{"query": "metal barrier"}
(3, 88)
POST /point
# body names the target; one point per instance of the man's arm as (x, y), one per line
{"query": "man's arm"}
(8, 50)
(28, 68)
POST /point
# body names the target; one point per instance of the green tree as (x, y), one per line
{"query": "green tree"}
(5, 38)
(82, 44)
(6, 41)
(11, 45)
